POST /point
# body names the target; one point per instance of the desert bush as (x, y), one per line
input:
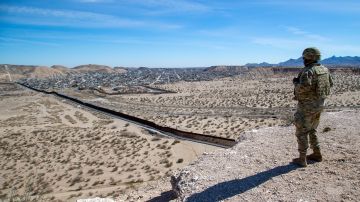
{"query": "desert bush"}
(99, 172)
(114, 169)
(34, 192)
(70, 119)
(75, 180)
(168, 164)
(97, 183)
(326, 129)
(155, 139)
(112, 181)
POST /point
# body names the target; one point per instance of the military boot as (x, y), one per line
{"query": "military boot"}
(301, 161)
(315, 156)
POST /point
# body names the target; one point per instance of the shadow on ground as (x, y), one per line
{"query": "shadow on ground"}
(164, 197)
(231, 188)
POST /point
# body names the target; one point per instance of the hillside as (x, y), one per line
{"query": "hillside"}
(93, 68)
(61, 68)
(258, 168)
(36, 71)
(26, 71)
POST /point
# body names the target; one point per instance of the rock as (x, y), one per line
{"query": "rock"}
(97, 199)
(183, 181)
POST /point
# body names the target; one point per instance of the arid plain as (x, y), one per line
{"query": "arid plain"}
(223, 107)
(62, 152)
(53, 149)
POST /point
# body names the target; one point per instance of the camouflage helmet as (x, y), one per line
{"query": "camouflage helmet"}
(311, 53)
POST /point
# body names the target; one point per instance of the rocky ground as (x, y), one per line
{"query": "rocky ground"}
(258, 168)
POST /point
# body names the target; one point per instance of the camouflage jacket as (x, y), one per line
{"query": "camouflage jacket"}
(313, 83)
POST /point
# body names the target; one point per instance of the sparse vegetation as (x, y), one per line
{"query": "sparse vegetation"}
(70, 149)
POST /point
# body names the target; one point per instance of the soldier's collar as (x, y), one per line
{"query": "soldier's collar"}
(312, 64)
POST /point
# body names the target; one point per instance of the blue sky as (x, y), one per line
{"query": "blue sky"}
(174, 33)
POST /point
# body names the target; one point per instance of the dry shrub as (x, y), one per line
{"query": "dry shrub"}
(326, 129)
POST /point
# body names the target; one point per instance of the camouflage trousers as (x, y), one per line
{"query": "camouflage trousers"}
(307, 119)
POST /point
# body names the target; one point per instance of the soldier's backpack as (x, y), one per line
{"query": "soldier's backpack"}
(323, 80)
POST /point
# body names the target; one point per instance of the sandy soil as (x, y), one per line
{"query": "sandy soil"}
(62, 152)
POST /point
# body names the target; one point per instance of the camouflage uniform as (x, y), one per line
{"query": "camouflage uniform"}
(312, 86)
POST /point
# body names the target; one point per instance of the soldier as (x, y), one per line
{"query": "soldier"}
(312, 86)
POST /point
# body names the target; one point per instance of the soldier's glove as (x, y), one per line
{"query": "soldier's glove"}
(296, 80)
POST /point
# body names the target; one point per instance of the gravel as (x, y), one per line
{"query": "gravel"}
(258, 168)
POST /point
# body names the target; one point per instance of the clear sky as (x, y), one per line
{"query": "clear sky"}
(174, 33)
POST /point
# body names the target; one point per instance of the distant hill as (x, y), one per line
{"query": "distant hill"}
(345, 61)
(37, 71)
(61, 68)
(26, 71)
(222, 68)
(120, 69)
(263, 64)
(348, 61)
(93, 68)
(292, 63)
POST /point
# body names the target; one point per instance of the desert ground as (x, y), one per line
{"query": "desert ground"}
(224, 107)
(61, 152)
(54, 149)
(259, 167)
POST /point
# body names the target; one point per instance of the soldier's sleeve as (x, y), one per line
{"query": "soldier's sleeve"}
(306, 78)
(304, 86)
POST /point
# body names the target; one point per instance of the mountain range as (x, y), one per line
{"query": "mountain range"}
(346, 61)
(35, 71)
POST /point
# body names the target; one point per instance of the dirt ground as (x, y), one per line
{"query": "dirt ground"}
(258, 168)
(224, 107)
(59, 151)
